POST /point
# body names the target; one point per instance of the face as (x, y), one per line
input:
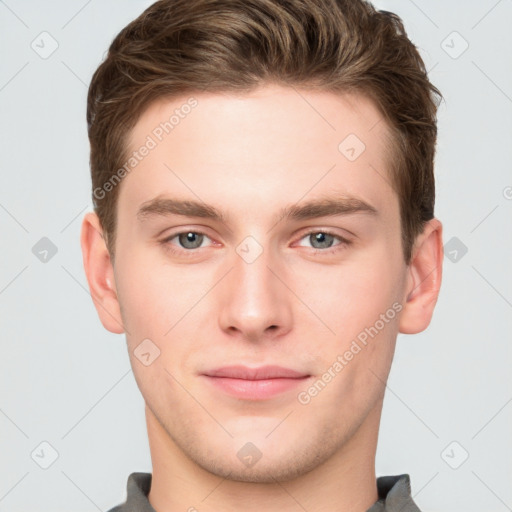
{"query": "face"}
(250, 279)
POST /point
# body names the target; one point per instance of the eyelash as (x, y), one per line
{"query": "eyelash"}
(191, 252)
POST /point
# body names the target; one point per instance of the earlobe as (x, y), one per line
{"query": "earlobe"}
(423, 280)
(100, 274)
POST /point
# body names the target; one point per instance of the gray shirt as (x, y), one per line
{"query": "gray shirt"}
(394, 495)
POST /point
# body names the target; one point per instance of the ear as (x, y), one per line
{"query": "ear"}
(423, 279)
(100, 274)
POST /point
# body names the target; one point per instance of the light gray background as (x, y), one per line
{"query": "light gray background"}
(67, 381)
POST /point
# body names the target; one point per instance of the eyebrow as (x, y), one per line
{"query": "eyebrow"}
(323, 207)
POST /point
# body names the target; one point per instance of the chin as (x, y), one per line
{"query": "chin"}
(263, 472)
(284, 459)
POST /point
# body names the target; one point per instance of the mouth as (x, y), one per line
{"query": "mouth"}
(261, 383)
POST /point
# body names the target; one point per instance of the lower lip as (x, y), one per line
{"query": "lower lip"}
(255, 389)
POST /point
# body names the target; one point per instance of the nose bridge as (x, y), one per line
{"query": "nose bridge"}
(255, 301)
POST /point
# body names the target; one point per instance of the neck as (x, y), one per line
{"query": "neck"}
(345, 482)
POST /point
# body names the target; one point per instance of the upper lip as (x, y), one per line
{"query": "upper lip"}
(259, 373)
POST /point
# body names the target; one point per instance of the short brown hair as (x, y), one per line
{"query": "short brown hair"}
(177, 47)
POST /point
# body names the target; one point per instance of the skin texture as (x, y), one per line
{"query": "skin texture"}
(250, 155)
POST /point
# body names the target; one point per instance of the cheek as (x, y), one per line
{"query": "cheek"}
(143, 304)
(164, 304)
(351, 296)
(152, 295)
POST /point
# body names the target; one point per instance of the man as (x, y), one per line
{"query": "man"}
(263, 185)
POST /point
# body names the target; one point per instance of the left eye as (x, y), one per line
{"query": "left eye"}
(322, 239)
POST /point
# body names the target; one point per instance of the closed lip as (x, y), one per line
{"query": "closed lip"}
(258, 373)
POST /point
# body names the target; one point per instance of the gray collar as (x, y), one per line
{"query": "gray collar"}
(394, 494)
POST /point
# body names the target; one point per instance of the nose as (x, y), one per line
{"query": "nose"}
(255, 302)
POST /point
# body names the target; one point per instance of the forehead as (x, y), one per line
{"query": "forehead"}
(275, 145)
